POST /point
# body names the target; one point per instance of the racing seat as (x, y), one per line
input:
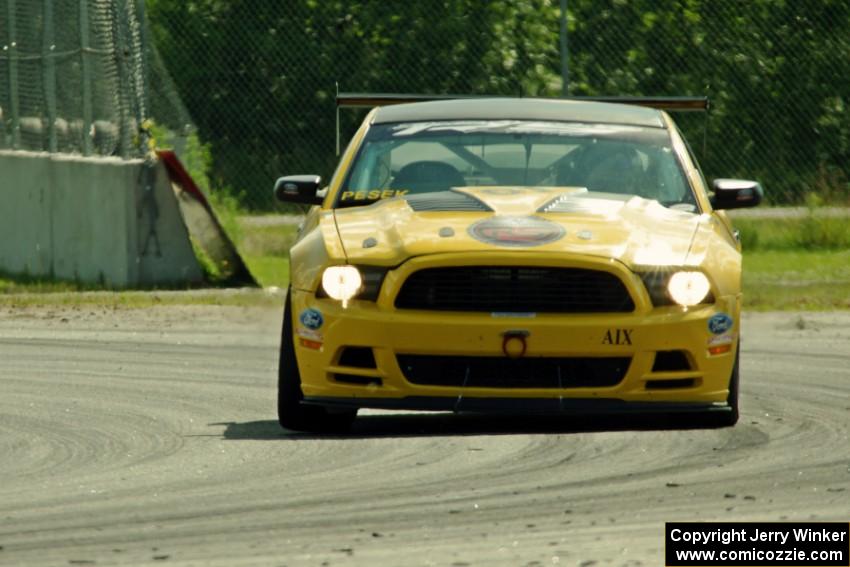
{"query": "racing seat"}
(568, 175)
(611, 169)
(427, 176)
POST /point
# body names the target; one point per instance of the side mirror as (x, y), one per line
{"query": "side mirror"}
(736, 193)
(298, 189)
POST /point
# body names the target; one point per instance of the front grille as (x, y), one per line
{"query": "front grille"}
(515, 289)
(502, 372)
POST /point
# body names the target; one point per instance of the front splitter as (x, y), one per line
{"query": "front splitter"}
(569, 406)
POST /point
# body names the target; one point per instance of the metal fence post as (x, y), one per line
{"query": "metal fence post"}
(143, 61)
(48, 62)
(86, 78)
(565, 70)
(14, 101)
(119, 45)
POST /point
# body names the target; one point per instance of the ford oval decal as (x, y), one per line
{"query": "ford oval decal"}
(720, 323)
(312, 318)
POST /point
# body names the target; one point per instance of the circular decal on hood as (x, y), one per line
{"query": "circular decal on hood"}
(516, 231)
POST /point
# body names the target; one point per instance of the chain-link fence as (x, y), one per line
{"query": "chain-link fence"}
(72, 76)
(258, 78)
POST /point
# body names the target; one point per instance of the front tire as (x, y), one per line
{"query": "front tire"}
(292, 413)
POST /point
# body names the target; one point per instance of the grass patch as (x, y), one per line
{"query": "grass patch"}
(265, 248)
(269, 271)
(10, 284)
(228, 211)
(143, 299)
(790, 263)
(25, 291)
(809, 231)
(796, 280)
(266, 240)
(773, 280)
(797, 261)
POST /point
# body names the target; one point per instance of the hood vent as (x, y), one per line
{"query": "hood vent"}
(584, 205)
(445, 201)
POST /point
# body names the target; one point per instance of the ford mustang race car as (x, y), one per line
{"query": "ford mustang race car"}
(513, 255)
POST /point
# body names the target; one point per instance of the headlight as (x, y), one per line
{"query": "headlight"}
(342, 282)
(688, 288)
(371, 279)
(672, 287)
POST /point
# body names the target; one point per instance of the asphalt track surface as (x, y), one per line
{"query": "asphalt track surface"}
(149, 437)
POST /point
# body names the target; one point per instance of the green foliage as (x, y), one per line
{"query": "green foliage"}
(270, 271)
(811, 280)
(213, 273)
(265, 249)
(39, 298)
(25, 283)
(228, 208)
(810, 229)
(266, 240)
(195, 156)
(823, 232)
(258, 77)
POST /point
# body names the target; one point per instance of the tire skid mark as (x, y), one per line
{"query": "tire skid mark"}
(180, 443)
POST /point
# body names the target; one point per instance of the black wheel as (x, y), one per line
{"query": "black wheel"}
(291, 412)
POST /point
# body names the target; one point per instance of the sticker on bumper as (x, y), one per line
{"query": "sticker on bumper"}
(618, 337)
(720, 323)
(312, 318)
(309, 334)
(724, 339)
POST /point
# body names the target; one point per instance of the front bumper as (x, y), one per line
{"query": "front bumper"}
(389, 333)
(469, 346)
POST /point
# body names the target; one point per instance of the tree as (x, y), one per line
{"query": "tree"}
(259, 77)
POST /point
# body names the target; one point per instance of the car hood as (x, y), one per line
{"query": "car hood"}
(626, 228)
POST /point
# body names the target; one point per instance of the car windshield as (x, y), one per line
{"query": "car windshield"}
(421, 157)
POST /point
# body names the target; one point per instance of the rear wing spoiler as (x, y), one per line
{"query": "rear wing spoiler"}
(667, 103)
(371, 100)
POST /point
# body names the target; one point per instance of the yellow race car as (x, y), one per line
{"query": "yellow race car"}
(513, 255)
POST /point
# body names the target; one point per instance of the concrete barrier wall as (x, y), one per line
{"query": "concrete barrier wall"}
(91, 220)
